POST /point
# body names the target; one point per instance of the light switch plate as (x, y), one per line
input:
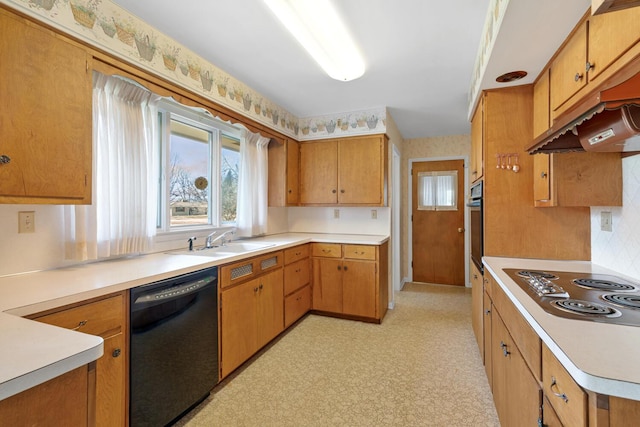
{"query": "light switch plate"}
(26, 222)
(606, 221)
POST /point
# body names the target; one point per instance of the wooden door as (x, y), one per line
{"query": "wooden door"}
(327, 284)
(477, 161)
(438, 235)
(610, 36)
(319, 172)
(238, 325)
(359, 288)
(293, 168)
(270, 307)
(568, 69)
(487, 310)
(477, 294)
(45, 115)
(541, 111)
(360, 171)
(541, 177)
(110, 383)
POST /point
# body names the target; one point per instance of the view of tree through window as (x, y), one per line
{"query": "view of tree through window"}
(190, 185)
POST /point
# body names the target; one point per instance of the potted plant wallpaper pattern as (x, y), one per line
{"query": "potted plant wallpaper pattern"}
(104, 24)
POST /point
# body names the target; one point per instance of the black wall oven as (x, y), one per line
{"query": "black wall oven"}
(476, 225)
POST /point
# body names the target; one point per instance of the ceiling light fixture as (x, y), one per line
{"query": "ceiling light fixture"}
(319, 29)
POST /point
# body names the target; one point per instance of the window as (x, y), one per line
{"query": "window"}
(199, 165)
(438, 190)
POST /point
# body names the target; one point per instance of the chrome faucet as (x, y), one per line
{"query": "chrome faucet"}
(214, 237)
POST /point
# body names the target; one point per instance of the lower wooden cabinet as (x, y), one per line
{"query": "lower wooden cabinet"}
(62, 401)
(477, 294)
(297, 283)
(105, 317)
(251, 315)
(350, 280)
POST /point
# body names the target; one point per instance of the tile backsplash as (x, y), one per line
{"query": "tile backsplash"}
(619, 249)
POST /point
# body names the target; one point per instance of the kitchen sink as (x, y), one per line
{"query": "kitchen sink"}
(229, 249)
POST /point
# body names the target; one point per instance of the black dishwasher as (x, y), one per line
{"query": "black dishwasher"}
(173, 347)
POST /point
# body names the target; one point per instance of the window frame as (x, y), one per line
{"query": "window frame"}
(434, 185)
(201, 118)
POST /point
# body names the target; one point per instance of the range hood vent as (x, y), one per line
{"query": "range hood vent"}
(607, 121)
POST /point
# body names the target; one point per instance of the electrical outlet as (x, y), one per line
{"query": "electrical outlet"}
(26, 222)
(336, 213)
(606, 222)
(374, 214)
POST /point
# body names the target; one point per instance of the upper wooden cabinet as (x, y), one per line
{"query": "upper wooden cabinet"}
(349, 171)
(577, 179)
(284, 163)
(541, 105)
(477, 142)
(45, 115)
(568, 69)
(611, 35)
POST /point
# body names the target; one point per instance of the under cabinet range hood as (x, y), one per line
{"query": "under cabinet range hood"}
(607, 121)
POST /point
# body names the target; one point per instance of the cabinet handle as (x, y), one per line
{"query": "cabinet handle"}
(298, 270)
(487, 312)
(261, 286)
(80, 324)
(503, 346)
(543, 175)
(334, 191)
(577, 77)
(116, 352)
(588, 66)
(255, 289)
(289, 191)
(560, 395)
(342, 191)
(345, 268)
(339, 267)
(4, 159)
(298, 253)
(475, 276)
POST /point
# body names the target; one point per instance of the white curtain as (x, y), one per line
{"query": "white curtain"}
(253, 190)
(122, 218)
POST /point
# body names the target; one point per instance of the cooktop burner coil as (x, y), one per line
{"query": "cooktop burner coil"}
(603, 285)
(623, 300)
(586, 308)
(533, 273)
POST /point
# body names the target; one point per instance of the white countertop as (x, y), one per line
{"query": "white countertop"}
(600, 357)
(33, 352)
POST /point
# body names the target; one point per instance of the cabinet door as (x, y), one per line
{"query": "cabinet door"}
(318, 172)
(477, 293)
(568, 69)
(541, 178)
(487, 311)
(476, 142)
(610, 36)
(359, 288)
(111, 384)
(238, 325)
(270, 309)
(360, 171)
(541, 110)
(515, 391)
(327, 284)
(293, 170)
(45, 116)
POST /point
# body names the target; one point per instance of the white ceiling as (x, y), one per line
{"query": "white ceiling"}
(419, 54)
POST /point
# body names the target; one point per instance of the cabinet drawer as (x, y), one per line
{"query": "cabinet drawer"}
(241, 271)
(296, 275)
(525, 337)
(360, 252)
(296, 253)
(104, 317)
(296, 305)
(567, 398)
(327, 250)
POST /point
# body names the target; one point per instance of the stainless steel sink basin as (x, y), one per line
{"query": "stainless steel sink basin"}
(229, 249)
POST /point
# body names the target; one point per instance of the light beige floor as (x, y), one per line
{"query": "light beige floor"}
(420, 367)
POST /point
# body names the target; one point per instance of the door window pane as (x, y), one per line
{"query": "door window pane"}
(438, 190)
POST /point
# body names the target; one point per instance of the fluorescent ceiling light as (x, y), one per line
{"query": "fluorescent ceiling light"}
(318, 28)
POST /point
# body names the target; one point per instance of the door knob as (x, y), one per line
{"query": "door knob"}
(460, 230)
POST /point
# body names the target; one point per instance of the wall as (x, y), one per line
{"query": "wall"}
(619, 250)
(424, 148)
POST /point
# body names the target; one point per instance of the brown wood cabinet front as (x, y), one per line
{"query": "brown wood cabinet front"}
(577, 179)
(348, 171)
(477, 295)
(45, 115)
(350, 279)
(251, 315)
(61, 401)
(541, 105)
(477, 141)
(284, 163)
(105, 317)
